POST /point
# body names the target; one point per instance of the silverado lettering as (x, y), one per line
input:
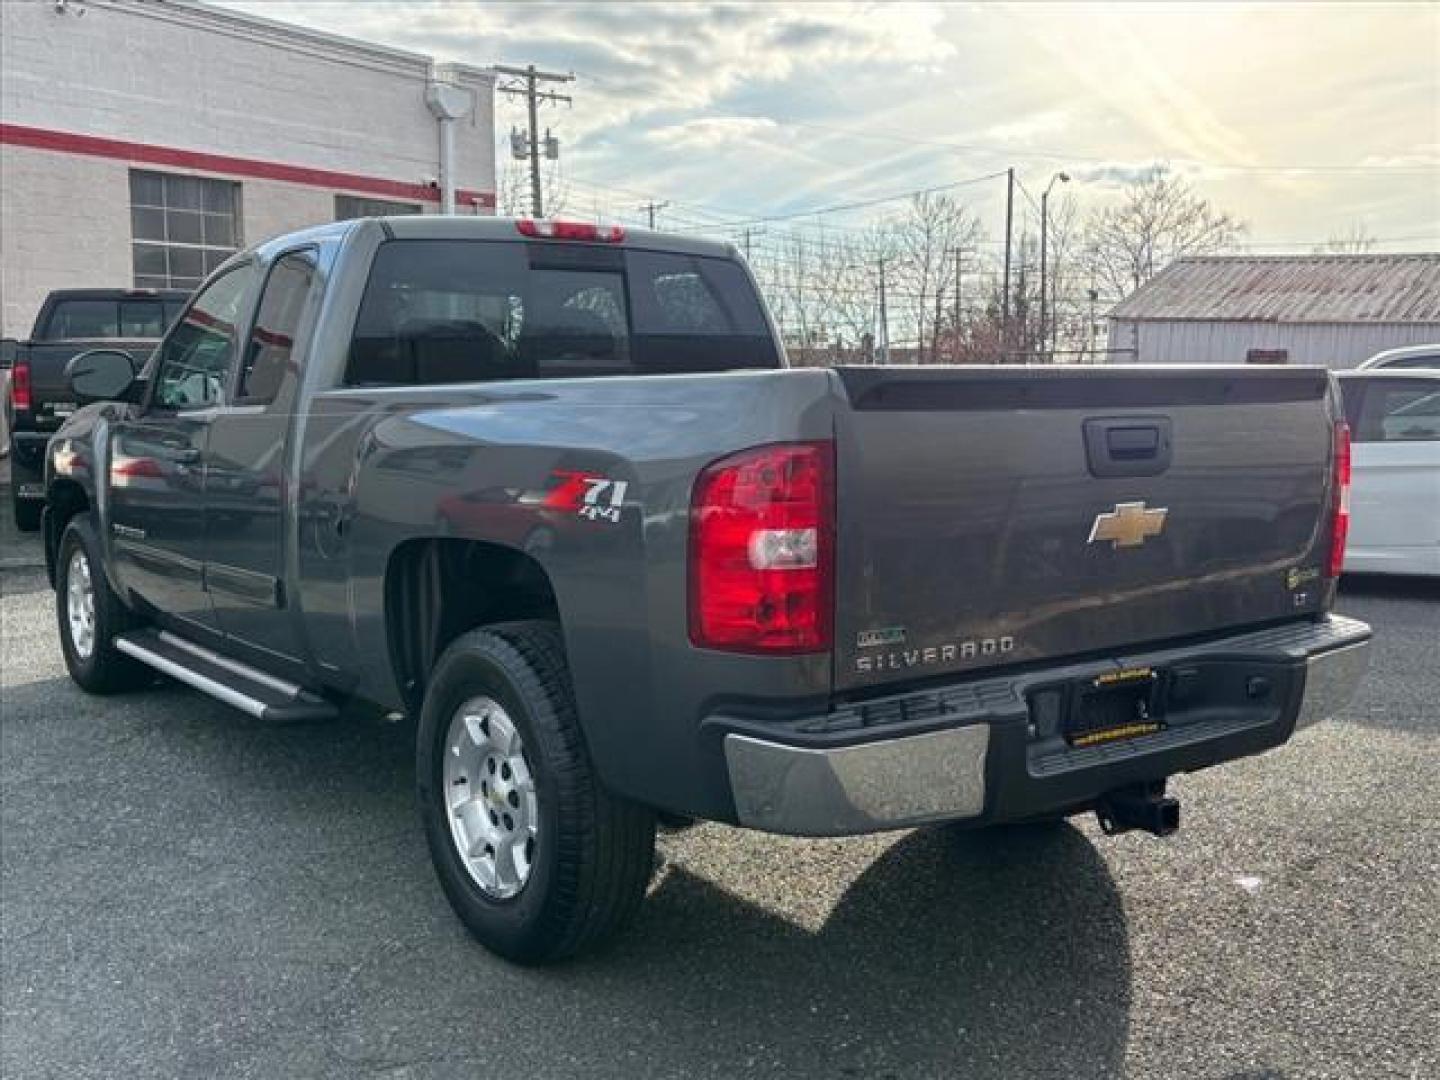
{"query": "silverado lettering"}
(934, 654)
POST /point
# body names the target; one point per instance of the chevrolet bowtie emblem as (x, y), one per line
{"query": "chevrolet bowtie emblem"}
(1128, 524)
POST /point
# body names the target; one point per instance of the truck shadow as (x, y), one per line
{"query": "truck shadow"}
(999, 953)
(950, 954)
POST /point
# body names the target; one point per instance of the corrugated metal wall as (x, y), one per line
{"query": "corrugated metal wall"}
(1337, 345)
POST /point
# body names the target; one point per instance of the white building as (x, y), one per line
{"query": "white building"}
(1334, 310)
(141, 141)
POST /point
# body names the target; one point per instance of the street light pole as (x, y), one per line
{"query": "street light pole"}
(1044, 229)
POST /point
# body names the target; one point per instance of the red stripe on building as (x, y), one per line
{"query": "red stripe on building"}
(66, 142)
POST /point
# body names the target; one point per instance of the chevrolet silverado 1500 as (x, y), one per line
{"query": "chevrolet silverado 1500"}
(551, 490)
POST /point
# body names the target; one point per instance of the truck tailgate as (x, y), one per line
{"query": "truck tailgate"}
(49, 386)
(994, 516)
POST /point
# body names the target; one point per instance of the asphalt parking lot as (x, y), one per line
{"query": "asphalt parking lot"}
(186, 893)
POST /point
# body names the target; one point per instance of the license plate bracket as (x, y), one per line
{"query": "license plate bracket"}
(1117, 705)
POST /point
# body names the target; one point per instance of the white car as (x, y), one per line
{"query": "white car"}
(1411, 356)
(1394, 418)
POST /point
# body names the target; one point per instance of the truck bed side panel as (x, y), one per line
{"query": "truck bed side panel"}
(485, 462)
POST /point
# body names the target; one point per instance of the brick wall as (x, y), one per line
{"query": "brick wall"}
(204, 81)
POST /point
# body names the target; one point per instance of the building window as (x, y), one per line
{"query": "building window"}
(182, 227)
(353, 206)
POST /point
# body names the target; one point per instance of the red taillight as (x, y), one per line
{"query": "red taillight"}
(762, 550)
(1340, 498)
(570, 230)
(20, 386)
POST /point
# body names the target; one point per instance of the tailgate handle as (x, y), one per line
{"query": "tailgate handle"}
(1128, 445)
(1133, 443)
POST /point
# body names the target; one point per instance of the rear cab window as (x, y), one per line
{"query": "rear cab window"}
(442, 311)
(129, 317)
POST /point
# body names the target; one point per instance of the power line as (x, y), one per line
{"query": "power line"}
(837, 208)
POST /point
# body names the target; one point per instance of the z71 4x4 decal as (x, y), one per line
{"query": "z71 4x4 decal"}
(590, 495)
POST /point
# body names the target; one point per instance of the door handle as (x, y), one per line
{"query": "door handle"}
(189, 456)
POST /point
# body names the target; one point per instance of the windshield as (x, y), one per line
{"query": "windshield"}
(438, 311)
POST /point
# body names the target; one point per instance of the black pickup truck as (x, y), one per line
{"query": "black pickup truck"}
(550, 489)
(71, 321)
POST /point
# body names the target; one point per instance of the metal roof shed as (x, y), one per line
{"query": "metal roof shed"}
(1334, 310)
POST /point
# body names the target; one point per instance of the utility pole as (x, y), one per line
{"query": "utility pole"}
(652, 208)
(955, 352)
(1044, 226)
(1094, 296)
(882, 344)
(1044, 221)
(1055, 305)
(1005, 298)
(527, 85)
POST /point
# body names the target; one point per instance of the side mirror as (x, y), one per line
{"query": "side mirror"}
(101, 375)
(9, 350)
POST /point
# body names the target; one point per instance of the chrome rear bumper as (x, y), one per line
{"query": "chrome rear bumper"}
(869, 786)
(1331, 679)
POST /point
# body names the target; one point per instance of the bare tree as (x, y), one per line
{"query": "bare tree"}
(1064, 272)
(847, 285)
(1159, 219)
(823, 287)
(934, 227)
(513, 197)
(1356, 240)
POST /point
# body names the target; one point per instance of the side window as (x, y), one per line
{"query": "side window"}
(270, 350)
(195, 358)
(1399, 410)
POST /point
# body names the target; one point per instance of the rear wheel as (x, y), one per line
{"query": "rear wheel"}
(536, 857)
(91, 616)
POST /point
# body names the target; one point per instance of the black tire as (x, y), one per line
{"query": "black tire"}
(594, 851)
(26, 511)
(105, 670)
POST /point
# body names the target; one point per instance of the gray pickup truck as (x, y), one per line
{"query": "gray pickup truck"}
(70, 321)
(551, 490)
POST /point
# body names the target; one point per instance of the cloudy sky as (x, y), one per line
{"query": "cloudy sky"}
(1305, 120)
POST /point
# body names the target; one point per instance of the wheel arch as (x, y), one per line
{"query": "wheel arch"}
(437, 588)
(63, 500)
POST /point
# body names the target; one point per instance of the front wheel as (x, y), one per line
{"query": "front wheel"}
(537, 858)
(91, 616)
